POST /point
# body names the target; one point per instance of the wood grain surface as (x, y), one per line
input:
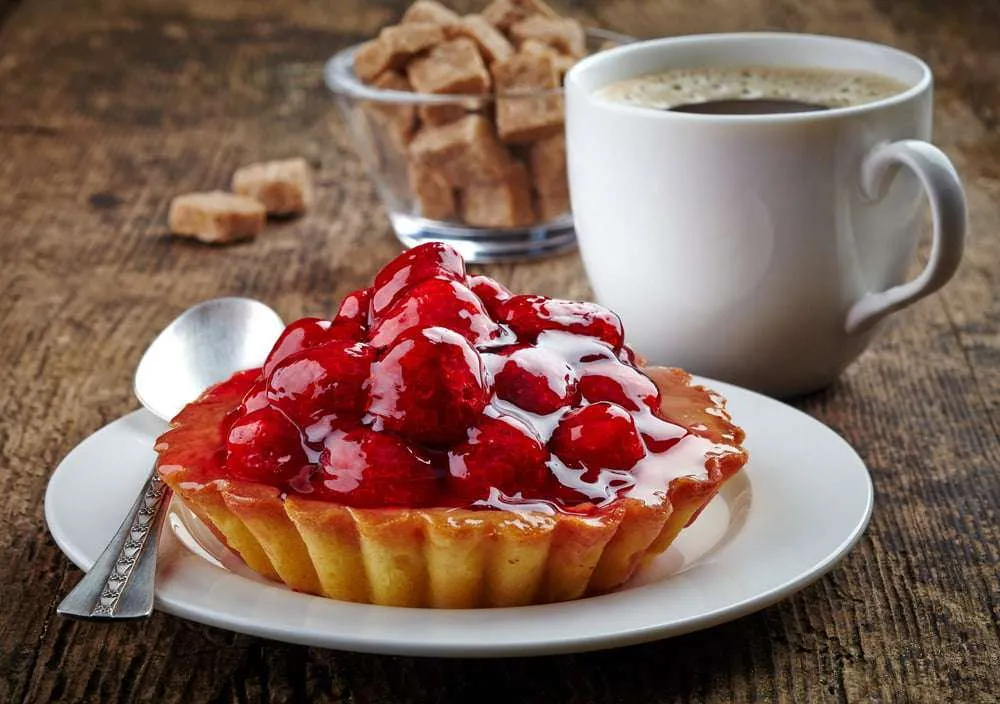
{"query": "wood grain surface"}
(110, 107)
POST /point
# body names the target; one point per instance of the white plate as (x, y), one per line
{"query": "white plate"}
(801, 503)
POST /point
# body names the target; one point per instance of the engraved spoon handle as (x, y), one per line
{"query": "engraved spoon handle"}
(122, 581)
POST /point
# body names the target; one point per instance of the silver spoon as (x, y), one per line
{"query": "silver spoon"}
(204, 345)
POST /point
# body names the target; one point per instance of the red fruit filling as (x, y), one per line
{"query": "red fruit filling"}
(491, 292)
(436, 303)
(389, 404)
(429, 387)
(598, 436)
(354, 308)
(530, 315)
(303, 333)
(330, 378)
(619, 384)
(264, 446)
(537, 380)
(501, 453)
(428, 261)
(365, 468)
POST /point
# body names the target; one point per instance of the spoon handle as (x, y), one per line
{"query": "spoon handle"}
(121, 583)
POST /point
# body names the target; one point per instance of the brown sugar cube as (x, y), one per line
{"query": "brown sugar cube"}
(442, 114)
(372, 58)
(430, 11)
(547, 163)
(491, 42)
(527, 119)
(434, 195)
(562, 62)
(506, 203)
(394, 47)
(503, 13)
(284, 187)
(396, 118)
(454, 67)
(216, 216)
(563, 34)
(552, 205)
(404, 41)
(464, 151)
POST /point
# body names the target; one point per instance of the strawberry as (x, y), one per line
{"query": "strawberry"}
(491, 292)
(264, 446)
(615, 382)
(354, 308)
(364, 468)
(502, 453)
(428, 261)
(320, 380)
(598, 436)
(530, 315)
(303, 333)
(348, 330)
(439, 303)
(429, 387)
(537, 380)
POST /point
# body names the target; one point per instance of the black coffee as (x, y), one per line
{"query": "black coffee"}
(751, 90)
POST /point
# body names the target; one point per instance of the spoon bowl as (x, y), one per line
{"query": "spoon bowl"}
(206, 344)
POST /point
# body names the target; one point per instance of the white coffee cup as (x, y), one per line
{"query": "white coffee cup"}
(758, 249)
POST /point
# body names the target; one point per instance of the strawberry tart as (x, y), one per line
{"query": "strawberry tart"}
(444, 443)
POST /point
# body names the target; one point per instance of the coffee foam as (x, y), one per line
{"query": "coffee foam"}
(830, 88)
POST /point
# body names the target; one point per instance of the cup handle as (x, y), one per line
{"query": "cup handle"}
(947, 199)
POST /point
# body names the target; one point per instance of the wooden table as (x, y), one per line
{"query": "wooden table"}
(108, 108)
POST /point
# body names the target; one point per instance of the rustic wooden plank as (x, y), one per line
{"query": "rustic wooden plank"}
(173, 97)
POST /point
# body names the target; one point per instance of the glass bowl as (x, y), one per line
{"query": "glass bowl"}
(499, 201)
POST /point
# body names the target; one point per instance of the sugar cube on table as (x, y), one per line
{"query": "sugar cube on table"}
(216, 216)
(284, 187)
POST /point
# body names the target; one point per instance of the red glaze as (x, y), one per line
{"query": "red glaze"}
(389, 403)
(303, 333)
(264, 446)
(428, 261)
(320, 380)
(529, 315)
(598, 436)
(255, 398)
(502, 453)
(619, 384)
(354, 308)
(348, 331)
(537, 380)
(435, 303)
(491, 292)
(365, 468)
(429, 387)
